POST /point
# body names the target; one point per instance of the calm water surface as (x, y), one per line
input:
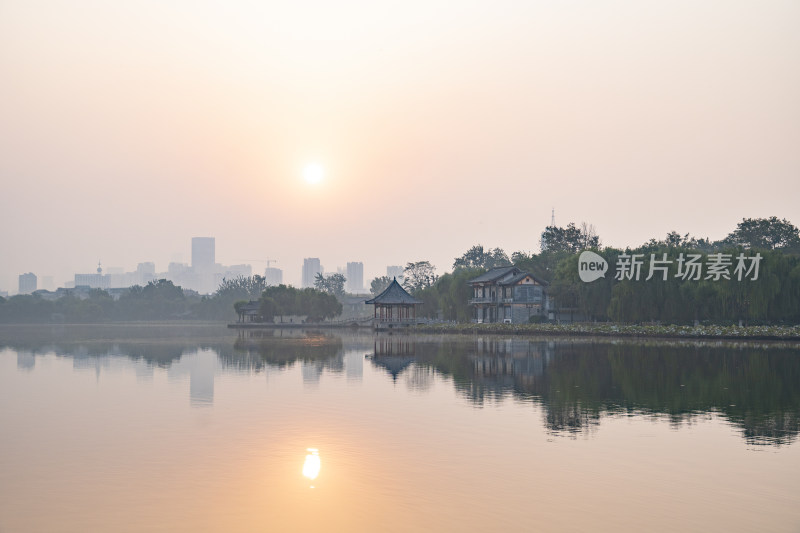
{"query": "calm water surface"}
(195, 428)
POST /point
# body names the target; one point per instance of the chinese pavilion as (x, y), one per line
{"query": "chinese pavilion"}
(394, 307)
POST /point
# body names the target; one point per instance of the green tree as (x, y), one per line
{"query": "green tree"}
(332, 284)
(418, 276)
(160, 299)
(570, 239)
(230, 291)
(675, 240)
(285, 300)
(454, 294)
(543, 265)
(766, 233)
(476, 257)
(268, 308)
(379, 284)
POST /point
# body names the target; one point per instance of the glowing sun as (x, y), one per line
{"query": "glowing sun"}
(313, 173)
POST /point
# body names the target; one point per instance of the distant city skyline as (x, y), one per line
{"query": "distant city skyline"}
(387, 135)
(203, 276)
(203, 255)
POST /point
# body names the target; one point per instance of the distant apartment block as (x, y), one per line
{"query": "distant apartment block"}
(273, 276)
(145, 272)
(27, 283)
(355, 277)
(177, 270)
(311, 267)
(230, 272)
(234, 271)
(394, 272)
(204, 264)
(203, 252)
(92, 281)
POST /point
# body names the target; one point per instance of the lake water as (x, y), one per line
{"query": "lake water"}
(196, 428)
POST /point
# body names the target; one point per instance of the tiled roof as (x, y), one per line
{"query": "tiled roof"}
(519, 277)
(394, 294)
(494, 274)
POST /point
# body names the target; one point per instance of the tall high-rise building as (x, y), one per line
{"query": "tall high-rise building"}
(273, 276)
(203, 264)
(355, 277)
(145, 273)
(203, 253)
(27, 283)
(311, 267)
(394, 271)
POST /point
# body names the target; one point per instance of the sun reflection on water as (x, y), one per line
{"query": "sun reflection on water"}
(312, 465)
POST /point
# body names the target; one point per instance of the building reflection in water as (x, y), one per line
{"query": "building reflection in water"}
(201, 367)
(25, 360)
(312, 371)
(511, 361)
(394, 353)
(201, 379)
(354, 364)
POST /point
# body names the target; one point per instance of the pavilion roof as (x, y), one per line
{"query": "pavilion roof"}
(394, 294)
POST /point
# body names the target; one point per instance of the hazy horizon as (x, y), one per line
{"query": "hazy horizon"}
(128, 129)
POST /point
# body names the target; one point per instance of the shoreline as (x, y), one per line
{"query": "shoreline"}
(670, 332)
(755, 333)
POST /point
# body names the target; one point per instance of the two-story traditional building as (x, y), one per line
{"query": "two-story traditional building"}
(509, 295)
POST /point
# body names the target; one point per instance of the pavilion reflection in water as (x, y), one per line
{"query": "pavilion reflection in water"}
(394, 353)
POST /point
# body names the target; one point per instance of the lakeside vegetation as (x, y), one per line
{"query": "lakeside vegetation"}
(284, 301)
(771, 299)
(162, 300)
(622, 330)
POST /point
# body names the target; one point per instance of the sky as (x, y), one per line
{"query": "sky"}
(127, 128)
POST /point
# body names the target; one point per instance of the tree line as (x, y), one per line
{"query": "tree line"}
(158, 300)
(283, 301)
(163, 300)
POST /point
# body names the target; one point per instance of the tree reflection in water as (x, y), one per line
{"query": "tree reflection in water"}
(754, 386)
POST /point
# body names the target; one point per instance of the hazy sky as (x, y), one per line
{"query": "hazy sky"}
(126, 128)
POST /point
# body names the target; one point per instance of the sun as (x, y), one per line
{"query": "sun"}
(313, 173)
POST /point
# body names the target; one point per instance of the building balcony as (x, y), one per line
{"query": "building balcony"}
(485, 300)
